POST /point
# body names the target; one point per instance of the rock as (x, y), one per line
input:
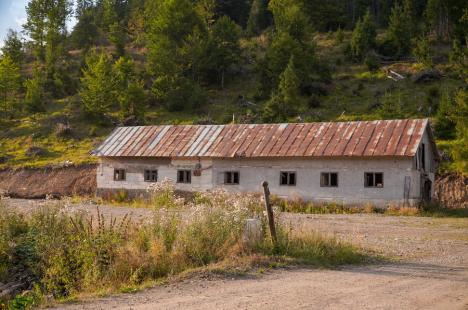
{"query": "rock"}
(426, 76)
(35, 151)
(63, 130)
(252, 232)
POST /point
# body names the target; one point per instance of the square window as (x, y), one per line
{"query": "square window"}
(184, 176)
(373, 179)
(329, 179)
(151, 175)
(231, 177)
(119, 174)
(288, 178)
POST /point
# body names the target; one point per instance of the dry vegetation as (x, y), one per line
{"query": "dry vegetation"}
(67, 255)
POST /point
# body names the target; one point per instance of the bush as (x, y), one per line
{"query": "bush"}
(371, 62)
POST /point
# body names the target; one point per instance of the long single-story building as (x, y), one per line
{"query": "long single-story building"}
(378, 162)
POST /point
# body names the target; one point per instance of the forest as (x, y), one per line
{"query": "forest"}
(136, 62)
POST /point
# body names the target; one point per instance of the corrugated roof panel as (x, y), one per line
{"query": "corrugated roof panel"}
(376, 138)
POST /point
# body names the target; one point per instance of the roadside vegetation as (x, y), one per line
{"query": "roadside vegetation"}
(428, 210)
(65, 255)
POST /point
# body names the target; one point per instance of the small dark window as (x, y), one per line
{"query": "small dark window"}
(231, 177)
(373, 179)
(288, 178)
(184, 176)
(329, 179)
(151, 175)
(119, 174)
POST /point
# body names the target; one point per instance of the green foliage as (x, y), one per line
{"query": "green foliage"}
(97, 85)
(13, 47)
(129, 90)
(177, 43)
(258, 17)
(290, 18)
(10, 83)
(363, 38)
(117, 36)
(444, 124)
(371, 62)
(36, 97)
(460, 117)
(390, 107)
(399, 30)
(339, 36)
(422, 51)
(286, 101)
(46, 26)
(223, 48)
(459, 59)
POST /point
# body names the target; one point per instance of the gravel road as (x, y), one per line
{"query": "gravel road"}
(430, 270)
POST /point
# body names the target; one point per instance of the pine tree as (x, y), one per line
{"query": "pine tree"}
(223, 48)
(35, 97)
(10, 83)
(177, 41)
(286, 100)
(129, 90)
(391, 108)
(289, 17)
(399, 30)
(459, 59)
(422, 51)
(460, 150)
(258, 17)
(363, 38)
(13, 47)
(444, 124)
(97, 85)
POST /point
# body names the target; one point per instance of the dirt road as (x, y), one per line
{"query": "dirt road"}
(430, 271)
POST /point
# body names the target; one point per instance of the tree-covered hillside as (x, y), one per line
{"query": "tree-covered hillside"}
(130, 62)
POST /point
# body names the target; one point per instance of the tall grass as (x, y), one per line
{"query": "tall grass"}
(71, 254)
(298, 205)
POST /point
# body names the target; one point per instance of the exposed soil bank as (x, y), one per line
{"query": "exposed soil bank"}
(40, 182)
(450, 189)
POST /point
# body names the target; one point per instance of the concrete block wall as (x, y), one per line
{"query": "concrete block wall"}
(253, 172)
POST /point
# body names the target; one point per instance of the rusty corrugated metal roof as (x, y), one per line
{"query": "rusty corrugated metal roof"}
(328, 139)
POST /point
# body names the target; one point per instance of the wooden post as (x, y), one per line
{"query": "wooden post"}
(271, 219)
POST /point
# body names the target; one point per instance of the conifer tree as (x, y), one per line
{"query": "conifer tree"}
(13, 47)
(422, 51)
(286, 101)
(444, 124)
(10, 83)
(97, 85)
(36, 97)
(223, 48)
(363, 37)
(129, 91)
(399, 30)
(460, 116)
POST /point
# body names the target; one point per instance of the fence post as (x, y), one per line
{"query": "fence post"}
(271, 219)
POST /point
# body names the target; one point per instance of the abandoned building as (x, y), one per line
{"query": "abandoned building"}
(378, 162)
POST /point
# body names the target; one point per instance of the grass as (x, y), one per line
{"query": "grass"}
(353, 94)
(69, 255)
(428, 210)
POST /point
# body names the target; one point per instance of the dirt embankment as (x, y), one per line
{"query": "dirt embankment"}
(57, 182)
(451, 190)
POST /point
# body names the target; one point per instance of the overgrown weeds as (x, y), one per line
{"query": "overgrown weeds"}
(429, 210)
(71, 254)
